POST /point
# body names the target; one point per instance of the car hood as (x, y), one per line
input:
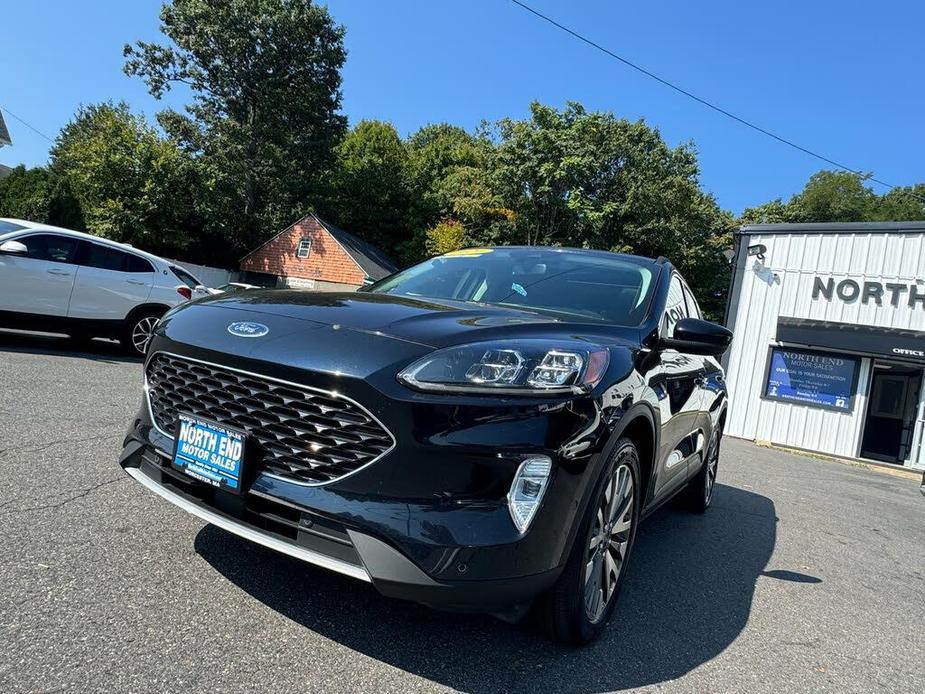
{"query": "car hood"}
(428, 322)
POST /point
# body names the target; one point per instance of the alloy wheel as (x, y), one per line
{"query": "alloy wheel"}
(712, 463)
(609, 542)
(142, 333)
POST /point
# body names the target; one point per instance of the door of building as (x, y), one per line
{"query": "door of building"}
(892, 407)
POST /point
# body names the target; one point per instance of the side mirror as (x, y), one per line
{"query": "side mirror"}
(696, 336)
(13, 248)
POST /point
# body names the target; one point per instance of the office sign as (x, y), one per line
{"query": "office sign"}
(819, 379)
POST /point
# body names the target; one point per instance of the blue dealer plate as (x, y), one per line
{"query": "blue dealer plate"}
(209, 452)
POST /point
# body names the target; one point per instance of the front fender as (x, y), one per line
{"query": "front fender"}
(633, 408)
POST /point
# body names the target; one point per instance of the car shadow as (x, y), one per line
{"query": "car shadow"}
(54, 344)
(687, 597)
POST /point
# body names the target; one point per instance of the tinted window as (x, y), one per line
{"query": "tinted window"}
(185, 277)
(675, 309)
(134, 263)
(104, 257)
(693, 309)
(59, 249)
(599, 286)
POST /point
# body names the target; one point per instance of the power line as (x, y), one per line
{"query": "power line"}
(32, 128)
(708, 104)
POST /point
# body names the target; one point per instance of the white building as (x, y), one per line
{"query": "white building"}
(829, 346)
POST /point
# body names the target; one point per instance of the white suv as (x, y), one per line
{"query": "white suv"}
(58, 280)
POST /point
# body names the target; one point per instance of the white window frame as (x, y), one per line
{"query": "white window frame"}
(298, 251)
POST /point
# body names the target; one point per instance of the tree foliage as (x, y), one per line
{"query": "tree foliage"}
(841, 196)
(371, 192)
(131, 184)
(445, 237)
(263, 123)
(573, 178)
(39, 195)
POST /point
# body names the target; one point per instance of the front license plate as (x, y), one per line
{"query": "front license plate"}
(210, 452)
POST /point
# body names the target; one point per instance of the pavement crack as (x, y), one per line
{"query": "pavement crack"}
(80, 494)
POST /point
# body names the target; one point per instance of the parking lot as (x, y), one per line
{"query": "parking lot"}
(806, 575)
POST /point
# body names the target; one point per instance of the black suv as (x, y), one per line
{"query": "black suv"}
(483, 431)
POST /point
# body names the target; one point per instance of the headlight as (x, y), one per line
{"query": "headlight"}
(510, 367)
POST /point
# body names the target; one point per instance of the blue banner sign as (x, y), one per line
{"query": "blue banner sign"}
(812, 378)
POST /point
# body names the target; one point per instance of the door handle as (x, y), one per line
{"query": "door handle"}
(58, 272)
(135, 282)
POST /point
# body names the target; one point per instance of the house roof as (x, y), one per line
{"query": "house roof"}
(371, 260)
(4, 133)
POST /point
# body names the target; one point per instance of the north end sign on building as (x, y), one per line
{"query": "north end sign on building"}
(849, 290)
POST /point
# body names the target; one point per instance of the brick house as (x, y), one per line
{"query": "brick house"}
(315, 255)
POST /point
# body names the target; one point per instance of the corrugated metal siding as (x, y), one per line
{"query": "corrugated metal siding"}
(783, 287)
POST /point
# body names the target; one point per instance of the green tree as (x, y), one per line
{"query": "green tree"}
(576, 178)
(435, 152)
(833, 196)
(903, 204)
(370, 190)
(265, 79)
(131, 184)
(592, 179)
(38, 195)
(773, 212)
(840, 196)
(449, 235)
(447, 178)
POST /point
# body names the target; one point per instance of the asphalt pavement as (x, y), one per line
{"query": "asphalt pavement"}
(806, 575)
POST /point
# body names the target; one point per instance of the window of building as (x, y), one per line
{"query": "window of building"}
(305, 247)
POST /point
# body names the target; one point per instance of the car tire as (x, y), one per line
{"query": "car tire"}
(577, 608)
(699, 493)
(138, 330)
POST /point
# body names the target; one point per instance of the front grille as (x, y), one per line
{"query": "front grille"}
(304, 435)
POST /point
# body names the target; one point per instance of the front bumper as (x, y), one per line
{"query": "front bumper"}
(323, 542)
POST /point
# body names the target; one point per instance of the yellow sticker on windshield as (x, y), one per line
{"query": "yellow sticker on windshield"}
(468, 253)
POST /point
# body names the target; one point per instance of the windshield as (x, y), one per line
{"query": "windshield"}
(603, 287)
(8, 227)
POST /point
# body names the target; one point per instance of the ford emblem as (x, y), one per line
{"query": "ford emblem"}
(248, 329)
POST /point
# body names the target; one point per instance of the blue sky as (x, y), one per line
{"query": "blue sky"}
(843, 78)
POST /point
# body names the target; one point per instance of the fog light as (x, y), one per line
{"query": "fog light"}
(527, 490)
